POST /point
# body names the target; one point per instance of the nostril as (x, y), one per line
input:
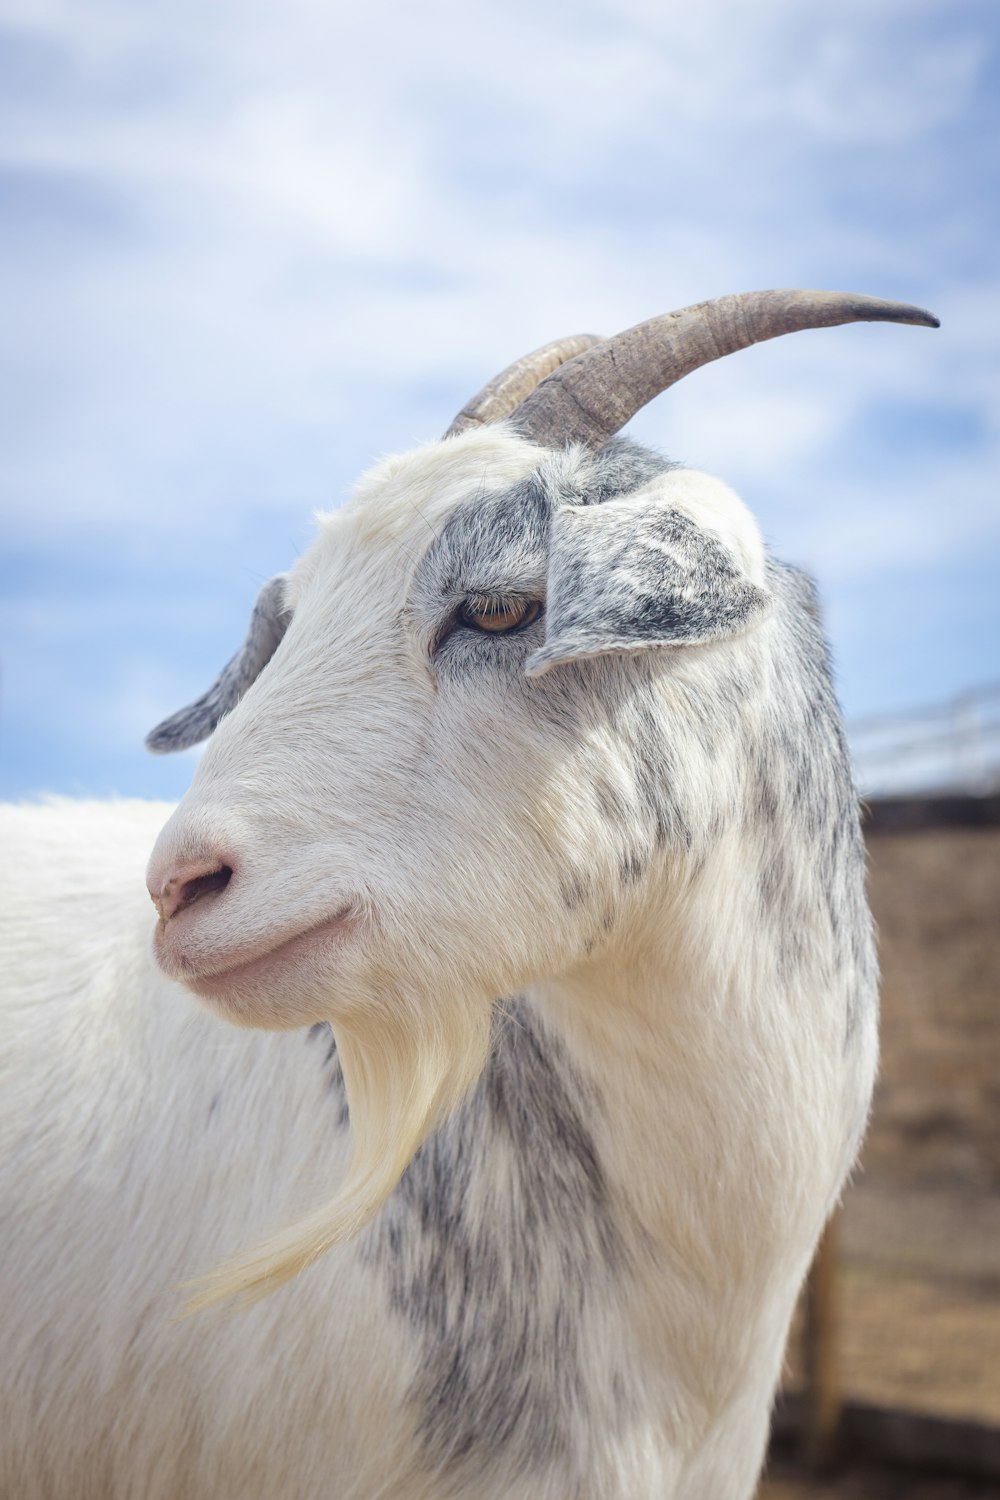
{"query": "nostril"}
(184, 888)
(203, 885)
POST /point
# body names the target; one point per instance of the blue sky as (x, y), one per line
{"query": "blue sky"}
(247, 248)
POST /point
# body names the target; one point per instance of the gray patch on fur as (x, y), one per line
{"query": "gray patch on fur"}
(653, 773)
(802, 811)
(619, 468)
(574, 890)
(494, 1280)
(268, 623)
(323, 1032)
(611, 805)
(622, 577)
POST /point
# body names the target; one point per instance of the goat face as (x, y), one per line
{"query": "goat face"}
(408, 801)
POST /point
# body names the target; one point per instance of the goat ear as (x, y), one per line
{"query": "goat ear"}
(637, 573)
(268, 624)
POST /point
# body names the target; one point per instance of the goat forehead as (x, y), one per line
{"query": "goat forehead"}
(494, 542)
(402, 504)
(411, 497)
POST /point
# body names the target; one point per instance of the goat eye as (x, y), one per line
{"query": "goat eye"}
(499, 616)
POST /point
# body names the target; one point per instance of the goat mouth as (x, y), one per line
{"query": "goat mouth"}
(309, 947)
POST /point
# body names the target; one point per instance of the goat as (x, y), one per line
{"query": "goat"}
(535, 717)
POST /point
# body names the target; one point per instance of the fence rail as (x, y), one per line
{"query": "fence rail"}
(951, 746)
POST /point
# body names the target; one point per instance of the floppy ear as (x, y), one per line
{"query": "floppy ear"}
(268, 624)
(636, 573)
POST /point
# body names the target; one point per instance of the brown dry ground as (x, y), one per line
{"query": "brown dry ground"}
(870, 1482)
(919, 1291)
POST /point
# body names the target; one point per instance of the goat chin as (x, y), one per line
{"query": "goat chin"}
(284, 987)
(404, 1071)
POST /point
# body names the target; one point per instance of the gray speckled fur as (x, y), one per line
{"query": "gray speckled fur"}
(323, 1032)
(498, 1320)
(801, 806)
(625, 580)
(497, 1299)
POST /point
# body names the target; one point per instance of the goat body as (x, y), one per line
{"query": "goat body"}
(560, 1236)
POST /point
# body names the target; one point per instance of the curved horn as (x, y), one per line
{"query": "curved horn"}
(593, 398)
(498, 399)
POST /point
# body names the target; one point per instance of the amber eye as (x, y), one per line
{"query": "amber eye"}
(499, 616)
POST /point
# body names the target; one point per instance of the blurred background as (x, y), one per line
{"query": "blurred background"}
(247, 248)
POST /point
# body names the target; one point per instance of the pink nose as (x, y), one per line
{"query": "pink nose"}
(186, 884)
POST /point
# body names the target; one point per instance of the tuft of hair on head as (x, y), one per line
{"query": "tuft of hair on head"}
(404, 1073)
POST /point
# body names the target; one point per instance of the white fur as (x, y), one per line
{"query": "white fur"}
(143, 1142)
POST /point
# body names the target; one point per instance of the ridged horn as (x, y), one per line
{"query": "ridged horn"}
(591, 399)
(508, 389)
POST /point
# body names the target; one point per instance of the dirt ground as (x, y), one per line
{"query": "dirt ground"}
(919, 1286)
(936, 1122)
(786, 1482)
